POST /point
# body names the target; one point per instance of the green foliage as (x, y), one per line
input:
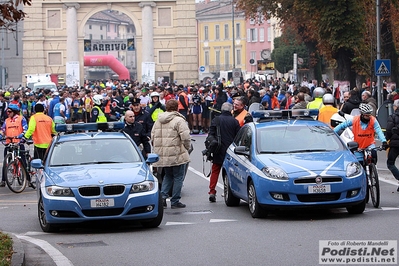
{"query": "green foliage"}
(5, 249)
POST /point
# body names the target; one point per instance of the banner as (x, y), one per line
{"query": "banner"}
(148, 72)
(72, 73)
(109, 45)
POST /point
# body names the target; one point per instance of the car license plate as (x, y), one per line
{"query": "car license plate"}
(319, 189)
(99, 203)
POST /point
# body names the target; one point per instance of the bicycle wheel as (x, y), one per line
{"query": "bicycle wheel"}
(6, 161)
(374, 185)
(16, 178)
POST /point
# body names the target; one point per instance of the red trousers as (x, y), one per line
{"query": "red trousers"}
(213, 180)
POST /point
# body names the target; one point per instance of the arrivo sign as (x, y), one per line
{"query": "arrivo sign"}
(109, 45)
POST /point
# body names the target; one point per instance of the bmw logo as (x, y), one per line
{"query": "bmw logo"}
(318, 180)
(101, 181)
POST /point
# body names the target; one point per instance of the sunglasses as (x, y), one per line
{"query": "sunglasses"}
(9, 111)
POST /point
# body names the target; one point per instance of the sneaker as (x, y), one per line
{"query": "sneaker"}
(178, 205)
(2, 184)
(212, 197)
(165, 205)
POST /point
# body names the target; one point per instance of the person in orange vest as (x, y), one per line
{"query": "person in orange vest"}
(41, 128)
(239, 111)
(14, 127)
(182, 102)
(364, 128)
(328, 109)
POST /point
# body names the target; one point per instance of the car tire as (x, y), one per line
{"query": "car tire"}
(254, 207)
(153, 223)
(358, 208)
(229, 199)
(46, 227)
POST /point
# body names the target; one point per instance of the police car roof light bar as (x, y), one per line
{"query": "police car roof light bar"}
(71, 128)
(285, 114)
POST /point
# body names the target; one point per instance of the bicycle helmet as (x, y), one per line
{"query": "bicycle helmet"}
(14, 107)
(97, 99)
(328, 99)
(154, 94)
(318, 92)
(365, 109)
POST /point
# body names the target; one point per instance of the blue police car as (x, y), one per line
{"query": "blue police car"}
(286, 159)
(94, 174)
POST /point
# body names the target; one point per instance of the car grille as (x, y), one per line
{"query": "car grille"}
(114, 190)
(312, 180)
(103, 212)
(318, 197)
(89, 191)
(96, 191)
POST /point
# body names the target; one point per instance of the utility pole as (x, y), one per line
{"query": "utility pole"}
(234, 36)
(379, 85)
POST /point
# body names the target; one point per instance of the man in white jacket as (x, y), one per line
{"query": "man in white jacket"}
(171, 141)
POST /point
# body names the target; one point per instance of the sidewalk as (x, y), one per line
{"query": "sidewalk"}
(27, 253)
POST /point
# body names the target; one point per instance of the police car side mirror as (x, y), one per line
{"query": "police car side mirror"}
(241, 150)
(352, 146)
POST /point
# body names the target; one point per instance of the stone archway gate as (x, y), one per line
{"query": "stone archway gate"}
(166, 34)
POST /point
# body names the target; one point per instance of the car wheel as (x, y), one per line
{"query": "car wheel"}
(358, 208)
(254, 207)
(229, 199)
(46, 227)
(157, 220)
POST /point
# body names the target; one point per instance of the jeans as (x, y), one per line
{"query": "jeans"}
(392, 155)
(174, 176)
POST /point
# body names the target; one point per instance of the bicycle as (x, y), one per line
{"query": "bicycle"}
(373, 185)
(14, 171)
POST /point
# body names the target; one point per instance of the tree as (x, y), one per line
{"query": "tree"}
(11, 13)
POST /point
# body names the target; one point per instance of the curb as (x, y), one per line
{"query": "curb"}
(18, 256)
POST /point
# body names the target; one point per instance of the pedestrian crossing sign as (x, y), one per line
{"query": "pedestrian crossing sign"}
(382, 67)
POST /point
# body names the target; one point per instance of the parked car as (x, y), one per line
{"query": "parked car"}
(288, 160)
(96, 175)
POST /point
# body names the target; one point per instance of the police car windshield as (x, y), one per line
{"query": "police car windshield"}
(99, 151)
(296, 139)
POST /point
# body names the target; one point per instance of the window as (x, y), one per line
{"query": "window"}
(164, 17)
(226, 31)
(238, 57)
(108, 27)
(269, 34)
(238, 31)
(165, 57)
(261, 34)
(253, 55)
(54, 58)
(206, 59)
(217, 32)
(115, 28)
(252, 21)
(91, 36)
(227, 59)
(54, 19)
(89, 27)
(101, 37)
(217, 58)
(252, 35)
(101, 27)
(206, 33)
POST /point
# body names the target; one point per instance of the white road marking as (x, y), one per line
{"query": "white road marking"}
(202, 175)
(221, 220)
(389, 208)
(58, 258)
(176, 223)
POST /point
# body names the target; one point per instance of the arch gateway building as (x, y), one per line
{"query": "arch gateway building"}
(164, 41)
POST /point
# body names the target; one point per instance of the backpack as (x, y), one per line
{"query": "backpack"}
(212, 143)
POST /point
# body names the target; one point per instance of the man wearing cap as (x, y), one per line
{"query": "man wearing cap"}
(142, 116)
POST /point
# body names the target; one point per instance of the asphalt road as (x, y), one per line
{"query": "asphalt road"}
(205, 233)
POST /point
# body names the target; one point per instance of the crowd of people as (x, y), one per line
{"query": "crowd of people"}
(146, 107)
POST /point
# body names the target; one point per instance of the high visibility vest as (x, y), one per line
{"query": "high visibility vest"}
(180, 105)
(43, 129)
(101, 116)
(325, 114)
(154, 115)
(13, 128)
(363, 137)
(315, 104)
(241, 116)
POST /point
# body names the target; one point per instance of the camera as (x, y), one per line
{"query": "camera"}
(205, 152)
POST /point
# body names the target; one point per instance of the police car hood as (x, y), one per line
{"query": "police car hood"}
(309, 163)
(83, 175)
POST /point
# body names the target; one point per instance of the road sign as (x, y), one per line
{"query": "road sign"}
(382, 67)
(202, 69)
(236, 75)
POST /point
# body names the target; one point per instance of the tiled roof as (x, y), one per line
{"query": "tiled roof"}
(113, 16)
(214, 8)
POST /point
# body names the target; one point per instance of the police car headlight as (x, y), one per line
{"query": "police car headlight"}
(142, 187)
(275, 173)
(59, 191)
(353, 169)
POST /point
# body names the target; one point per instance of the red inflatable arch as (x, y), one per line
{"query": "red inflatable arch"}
(108, 60)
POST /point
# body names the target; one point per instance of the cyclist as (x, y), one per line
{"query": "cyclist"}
(40, 128)
(15, 126)
(364, 127)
